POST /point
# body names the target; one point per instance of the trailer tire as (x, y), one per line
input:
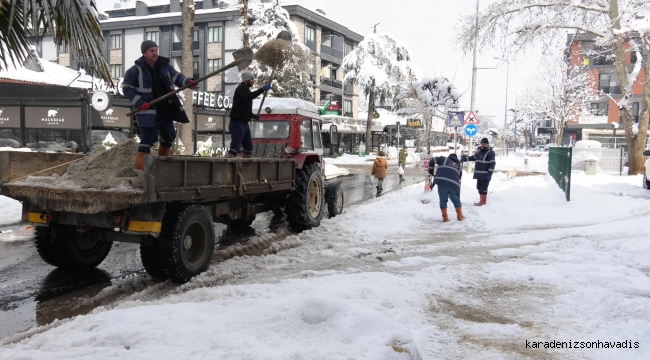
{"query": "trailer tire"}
(335, 199)
(186, 243)
(150, 256)
(44, 245)
(305, 205)
(77, 252)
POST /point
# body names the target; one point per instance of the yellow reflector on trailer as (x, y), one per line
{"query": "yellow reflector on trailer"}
(35, 218)
(145, 226)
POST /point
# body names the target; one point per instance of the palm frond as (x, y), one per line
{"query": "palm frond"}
(71, 21)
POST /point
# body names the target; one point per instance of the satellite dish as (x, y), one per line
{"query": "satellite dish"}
(100, 100)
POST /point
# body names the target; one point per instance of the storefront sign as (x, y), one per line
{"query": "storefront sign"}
(209, 123)
(593, 119)
(330, 108)
(114, 117)
(413, 123)
(211, 101)
(54, 117)
(9, 116)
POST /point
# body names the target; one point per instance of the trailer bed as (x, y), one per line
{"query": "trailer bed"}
(166, 179)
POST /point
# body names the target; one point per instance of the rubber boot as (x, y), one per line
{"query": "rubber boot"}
(445, 217)
(164, 151)
(485, 199)
(482, 202)
(459, 214)
(139, 160)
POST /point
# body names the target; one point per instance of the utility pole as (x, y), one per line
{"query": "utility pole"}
(474, 68)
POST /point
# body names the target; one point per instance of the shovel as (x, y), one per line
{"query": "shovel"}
(243, 58)
(283, 35)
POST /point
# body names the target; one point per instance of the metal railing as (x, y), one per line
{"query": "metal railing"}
(559, 167)
(607, 160)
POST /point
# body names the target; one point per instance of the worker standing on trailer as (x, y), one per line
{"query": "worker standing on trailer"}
(241, 113)
(151, 77)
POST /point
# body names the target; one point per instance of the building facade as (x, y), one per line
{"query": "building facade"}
(216, 37)
(603, 78)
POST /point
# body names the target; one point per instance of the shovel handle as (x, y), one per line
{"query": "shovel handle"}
(264, 97)
(168, 95)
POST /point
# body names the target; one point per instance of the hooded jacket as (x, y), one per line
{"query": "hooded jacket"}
(379, 167)
(138, 87)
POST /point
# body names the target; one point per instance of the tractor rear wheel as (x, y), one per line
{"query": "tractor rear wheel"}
(305, 205)
(78, 251)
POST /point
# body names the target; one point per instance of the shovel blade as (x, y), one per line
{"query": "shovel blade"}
(243, 57)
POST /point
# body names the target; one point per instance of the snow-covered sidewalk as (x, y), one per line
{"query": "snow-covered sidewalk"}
(527, 269)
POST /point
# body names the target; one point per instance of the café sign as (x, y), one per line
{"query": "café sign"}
(200, 98)
(53, 117)
(114, 116)
(9, 117)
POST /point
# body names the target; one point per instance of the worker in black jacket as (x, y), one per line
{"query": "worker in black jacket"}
(448, 177)
(485, 164)
(241, 113)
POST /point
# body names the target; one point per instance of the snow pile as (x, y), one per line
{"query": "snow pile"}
(278, 104)
(110, 169)
(332, 171)
(15, 149)
(517, 160)
(11, 210)
(350, 159)
(588, 144)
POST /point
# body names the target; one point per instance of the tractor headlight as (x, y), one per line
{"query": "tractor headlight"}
(288, 149)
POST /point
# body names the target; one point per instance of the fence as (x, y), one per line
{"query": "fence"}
(559, 167)
(607, 160)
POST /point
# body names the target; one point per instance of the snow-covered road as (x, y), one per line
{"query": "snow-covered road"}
(528, 268)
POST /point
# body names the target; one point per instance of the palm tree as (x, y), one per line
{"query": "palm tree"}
(73, 22)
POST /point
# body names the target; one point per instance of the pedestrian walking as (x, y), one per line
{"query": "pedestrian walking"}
(401, 162)
(485, 163)
(241, 113)
(448, 177)
(379, 168)
(151, 77)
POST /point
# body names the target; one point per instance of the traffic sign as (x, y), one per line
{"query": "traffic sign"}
(455, 119)
(471, 119)
(470, 130)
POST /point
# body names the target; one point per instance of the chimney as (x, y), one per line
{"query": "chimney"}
(321, 11)
(141, 9)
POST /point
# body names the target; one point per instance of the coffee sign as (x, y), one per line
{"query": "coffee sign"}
(114, 116)
(209, 123)
(54, 117)
(9, 116)
(212, 101)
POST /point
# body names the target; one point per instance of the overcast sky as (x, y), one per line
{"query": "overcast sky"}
(428, 27)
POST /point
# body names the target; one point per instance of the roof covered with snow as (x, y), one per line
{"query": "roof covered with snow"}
(279, 104)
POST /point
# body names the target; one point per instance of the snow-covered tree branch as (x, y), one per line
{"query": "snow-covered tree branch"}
(513, 25)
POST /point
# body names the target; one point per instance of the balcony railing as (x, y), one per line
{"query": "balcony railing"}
(326, 50)
(332, 83)
(178, 46)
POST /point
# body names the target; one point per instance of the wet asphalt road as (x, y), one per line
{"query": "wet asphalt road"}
(33, 293)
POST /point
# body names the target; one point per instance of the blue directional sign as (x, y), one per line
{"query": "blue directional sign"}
(455, 119)
(470, 130)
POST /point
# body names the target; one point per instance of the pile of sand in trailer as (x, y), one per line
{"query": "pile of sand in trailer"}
(112, 169)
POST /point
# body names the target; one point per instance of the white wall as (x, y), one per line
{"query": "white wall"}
(49, 49)
(232, 36)
(232, 74)
(132, 40)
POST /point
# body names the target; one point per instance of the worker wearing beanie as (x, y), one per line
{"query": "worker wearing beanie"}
(241, 113)
(485, 163)
(151, 77)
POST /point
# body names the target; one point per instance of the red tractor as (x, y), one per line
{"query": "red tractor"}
(291, 129)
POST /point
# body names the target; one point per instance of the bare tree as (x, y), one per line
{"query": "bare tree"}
(515, 24)
(559, 93)
(185, 130)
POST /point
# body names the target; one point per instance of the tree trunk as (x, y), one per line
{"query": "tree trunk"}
(245, 35)
(635, 142)
(187, 68)
(559, 132)
(371, 112)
